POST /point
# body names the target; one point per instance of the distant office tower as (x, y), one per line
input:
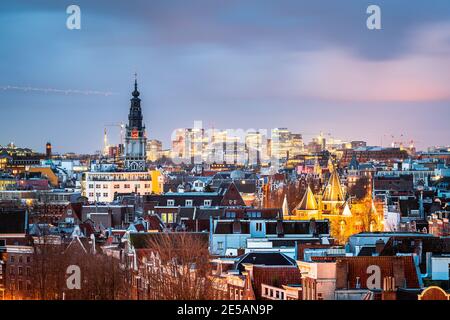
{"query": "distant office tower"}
(189, 145)
(154, 150)
(255, 148)
(296, 145)
(281, 143)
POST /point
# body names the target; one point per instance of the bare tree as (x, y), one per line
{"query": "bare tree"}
(177, 267)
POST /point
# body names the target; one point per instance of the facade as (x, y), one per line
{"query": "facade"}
(346, 218)
(17, 160)
(254, 233)
(318, 280)
(365, 154)
(105, 186)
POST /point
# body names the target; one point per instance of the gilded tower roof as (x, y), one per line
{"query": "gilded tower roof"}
(333, 190)
(308, 201)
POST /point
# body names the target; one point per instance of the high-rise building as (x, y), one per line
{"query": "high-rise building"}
(296, 145)
(281, 143)
(135, 137)
(256, 148)
(188, 145)
(154, 150)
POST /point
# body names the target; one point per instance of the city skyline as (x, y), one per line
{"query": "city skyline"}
(308, 67)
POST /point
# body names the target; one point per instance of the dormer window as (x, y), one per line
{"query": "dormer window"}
(207, 203)
(189, 203)
(170, 203)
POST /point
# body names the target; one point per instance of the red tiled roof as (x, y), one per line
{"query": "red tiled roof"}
(402, 268)
(154, 223)
(208, 173)
(274, 276)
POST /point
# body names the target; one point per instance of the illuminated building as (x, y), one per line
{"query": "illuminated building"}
(105, 186)
(308, 207)
(104, 183)
(365, 154)
(188, 145)
(154, 150)
(157, 182)
(48, 150)
(135, 139)
(17, 160)
(296, 145)
(227, 147)
(255, 148)
(6, 182)
(333, 196)
(281, 143)
(345, 218)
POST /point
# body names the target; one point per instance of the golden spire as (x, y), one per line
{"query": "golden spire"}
(308, 201)
(333, 190)
(347, 212)
(285, 206)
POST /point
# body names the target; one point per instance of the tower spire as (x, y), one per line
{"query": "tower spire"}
(135, 92)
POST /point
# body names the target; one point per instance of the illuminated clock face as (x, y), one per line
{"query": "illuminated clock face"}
(134, 134)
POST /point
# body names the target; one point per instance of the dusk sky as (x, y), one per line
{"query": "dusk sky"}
(309, 65)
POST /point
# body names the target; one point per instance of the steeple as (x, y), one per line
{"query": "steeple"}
(135, 115)
(135, 137)
(333, 190)
(285, 206)
(308, 201)
(135, 92)
(347, 212)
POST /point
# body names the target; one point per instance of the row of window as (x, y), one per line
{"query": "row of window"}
(19, 286)
(12, 271)
(117, 186)
(12, 259)
(189, 203)
(252, 214)
(106, 194)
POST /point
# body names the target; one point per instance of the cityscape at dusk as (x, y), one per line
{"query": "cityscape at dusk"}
(310, 66)
(225, 150)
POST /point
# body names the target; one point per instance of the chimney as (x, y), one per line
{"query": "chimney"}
(389, 291)
(236, 226)
(280, 230)
(379, 246)
(398, 266)
(341, 274)
(428, 256)
(312, 227)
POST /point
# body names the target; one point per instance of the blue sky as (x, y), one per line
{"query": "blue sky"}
(307, 65)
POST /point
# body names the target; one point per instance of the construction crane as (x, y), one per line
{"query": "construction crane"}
(398, 143)
(121, 125)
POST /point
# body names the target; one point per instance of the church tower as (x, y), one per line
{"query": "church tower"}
(135, 137)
